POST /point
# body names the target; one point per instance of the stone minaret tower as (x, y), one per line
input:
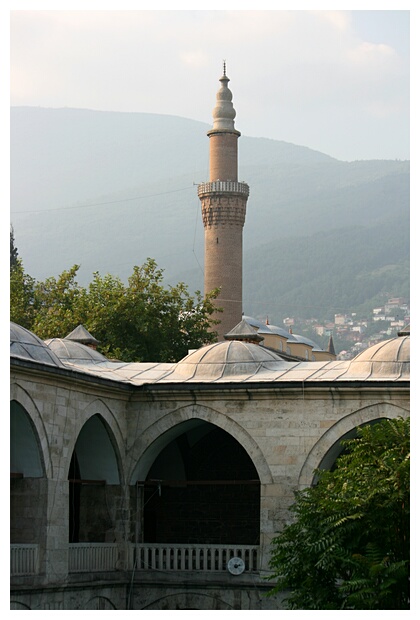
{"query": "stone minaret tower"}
(223, 207)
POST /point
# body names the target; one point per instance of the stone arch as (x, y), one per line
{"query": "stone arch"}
(95, 472)
(153, 440)
(23, 398)
(14, 605)
(188, 600)
(99, 603)
(341, 428)
(115, 434)
(25, 454)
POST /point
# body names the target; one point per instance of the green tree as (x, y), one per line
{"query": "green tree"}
(13, 249)
(59, 305)
(21, 296)
(348, 546)
(146, 321)
(140, 321)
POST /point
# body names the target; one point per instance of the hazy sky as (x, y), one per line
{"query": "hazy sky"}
(335, 81)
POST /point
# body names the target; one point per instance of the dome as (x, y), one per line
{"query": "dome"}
(25, 345)
(71, 350)
(389, 358)
(228, 359)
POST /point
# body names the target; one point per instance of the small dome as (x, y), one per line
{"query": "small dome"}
(228, 359)
(389, 358)
(25, 345)
(71, 350)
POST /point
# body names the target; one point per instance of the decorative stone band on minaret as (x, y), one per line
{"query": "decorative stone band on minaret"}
(223, 207)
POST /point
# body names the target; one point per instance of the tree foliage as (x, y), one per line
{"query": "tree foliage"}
(21, 295)
(141, 321)
(14, 255)
(348, 546)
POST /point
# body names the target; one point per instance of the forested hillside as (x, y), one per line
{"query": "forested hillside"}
(330, 272)
(108, 190)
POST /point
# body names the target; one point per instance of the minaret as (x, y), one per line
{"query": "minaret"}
(223, 207)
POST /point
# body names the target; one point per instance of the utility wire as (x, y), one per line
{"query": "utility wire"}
(99, 204)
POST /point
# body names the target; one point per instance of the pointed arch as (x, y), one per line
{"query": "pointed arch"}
(110, 425)
(99, 603)
(163, 431)
(343, 428)
(188, 600)
(19, 395)
(94, 472)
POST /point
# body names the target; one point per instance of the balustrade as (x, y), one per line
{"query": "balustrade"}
(100, 557)
(87, 557)
(23, 559)
(206, 558)
(223, 186)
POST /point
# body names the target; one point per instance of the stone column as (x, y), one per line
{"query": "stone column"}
(54, 553)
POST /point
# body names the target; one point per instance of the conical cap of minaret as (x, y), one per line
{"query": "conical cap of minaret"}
(224, 112)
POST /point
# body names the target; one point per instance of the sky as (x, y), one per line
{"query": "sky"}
(337, 81)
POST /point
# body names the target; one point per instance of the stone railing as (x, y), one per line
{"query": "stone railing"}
(24, 559)
(103, 557)
(86, 557)
(178, 557)
(223, 186)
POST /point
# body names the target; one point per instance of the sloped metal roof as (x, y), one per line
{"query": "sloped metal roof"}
(72, 350)
(81, 334)
(25, 345)
(223, 363)
(243, 331)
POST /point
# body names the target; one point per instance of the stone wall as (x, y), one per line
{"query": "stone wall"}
(28, 510)
(285, 432)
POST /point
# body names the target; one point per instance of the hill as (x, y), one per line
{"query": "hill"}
(106, 190)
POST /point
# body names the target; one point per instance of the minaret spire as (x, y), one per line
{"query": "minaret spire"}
(224, 113)
(223, 207)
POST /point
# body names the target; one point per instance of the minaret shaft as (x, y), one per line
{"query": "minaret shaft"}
(223, 247)
(223, 206)
(223, 156)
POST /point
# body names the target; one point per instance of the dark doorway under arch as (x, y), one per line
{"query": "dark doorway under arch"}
(329, 460)
(94, 484)
(28, 483)
(202, 488)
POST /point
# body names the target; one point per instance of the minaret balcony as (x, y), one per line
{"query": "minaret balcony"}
(223, 187)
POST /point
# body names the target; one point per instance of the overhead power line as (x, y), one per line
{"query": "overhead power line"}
(99, 204)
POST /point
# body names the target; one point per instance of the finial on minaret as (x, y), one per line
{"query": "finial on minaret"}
(224, 112)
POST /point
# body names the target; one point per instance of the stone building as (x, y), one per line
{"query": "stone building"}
(160, 486)
(152, 486)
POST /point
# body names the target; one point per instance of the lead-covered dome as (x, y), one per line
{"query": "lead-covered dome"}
(71, 350)
(25, 345)
(389, 358)
(228, 359)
